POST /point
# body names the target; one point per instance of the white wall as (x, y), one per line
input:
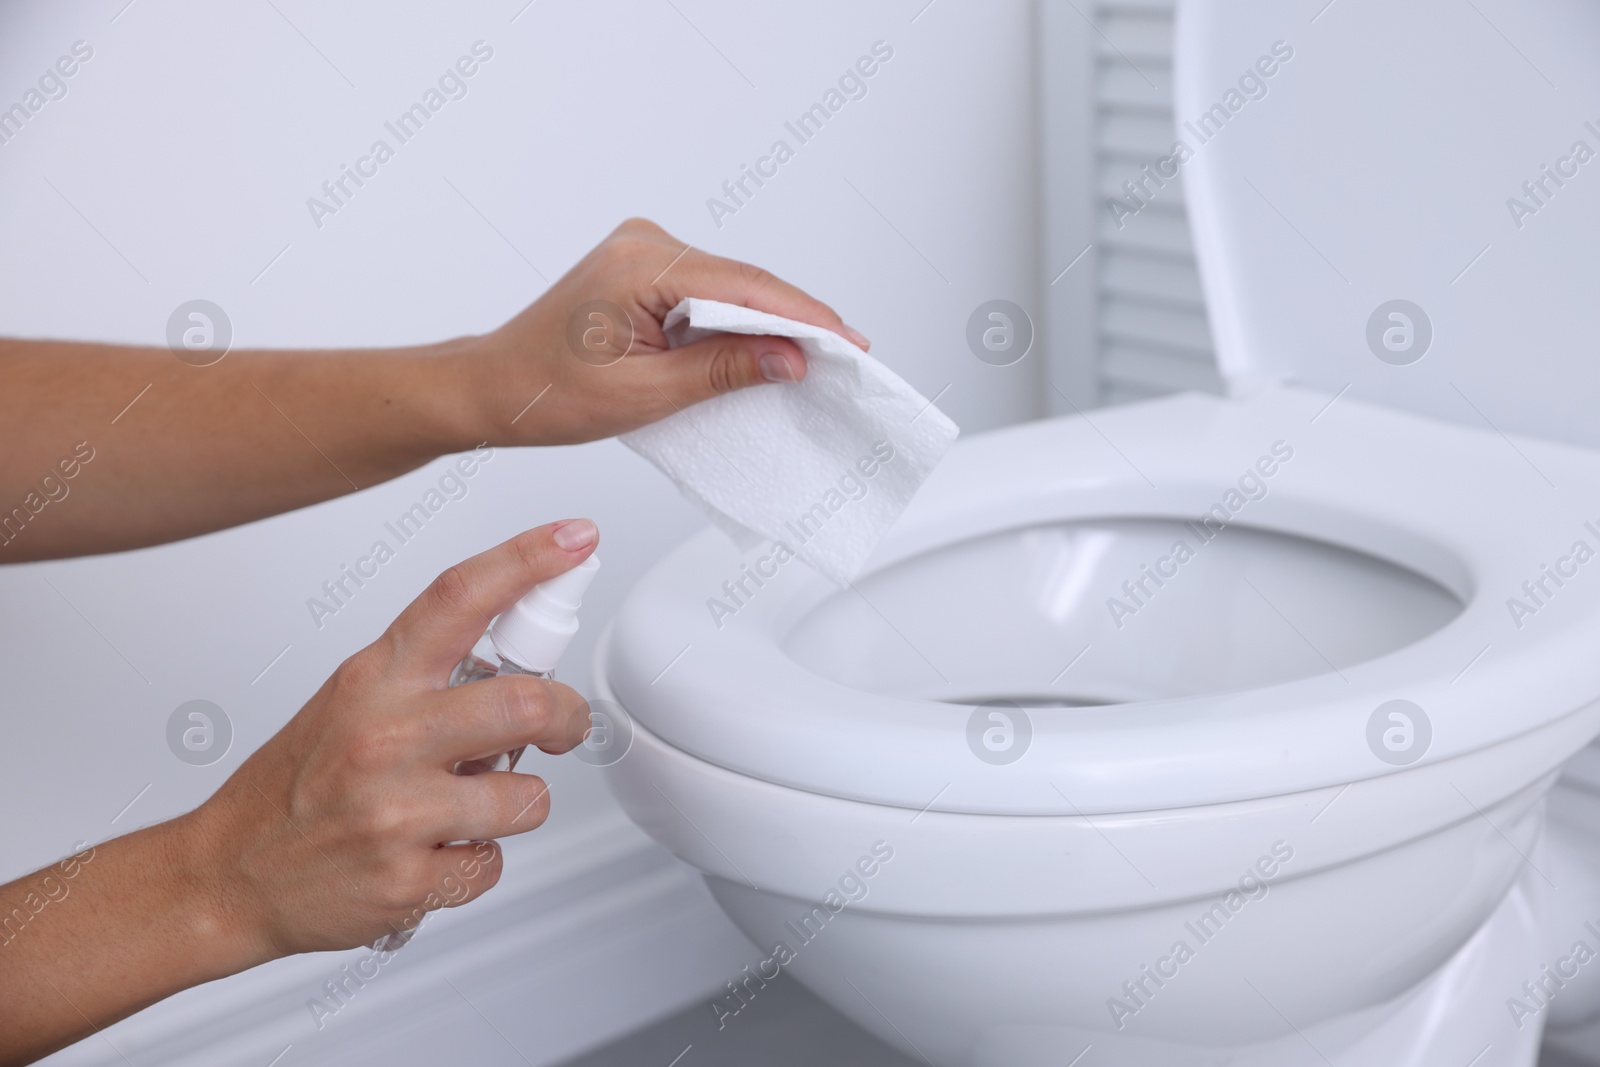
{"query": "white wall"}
(178, 166)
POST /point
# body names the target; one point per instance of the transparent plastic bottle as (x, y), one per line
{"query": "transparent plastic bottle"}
(476, 669)
(529, 638)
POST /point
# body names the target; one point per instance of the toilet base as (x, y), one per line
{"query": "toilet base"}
(1457, 1017)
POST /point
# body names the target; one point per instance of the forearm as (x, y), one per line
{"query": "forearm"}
(176, 450)
(102, 934)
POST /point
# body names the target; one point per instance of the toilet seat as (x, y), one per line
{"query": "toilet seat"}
(1404, 489)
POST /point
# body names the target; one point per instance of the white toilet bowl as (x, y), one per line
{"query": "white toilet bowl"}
(1201, 772)
(1202, 730)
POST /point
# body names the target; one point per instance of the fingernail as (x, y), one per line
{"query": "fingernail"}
(575, 534)
(775, 368)
(856, 337)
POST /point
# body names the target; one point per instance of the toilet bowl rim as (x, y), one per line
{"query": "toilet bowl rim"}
(1424, 671)
(782, 836)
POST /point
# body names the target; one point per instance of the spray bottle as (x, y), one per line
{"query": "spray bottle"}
(529, 638)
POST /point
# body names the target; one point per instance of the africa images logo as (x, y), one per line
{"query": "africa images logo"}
(1140, 589)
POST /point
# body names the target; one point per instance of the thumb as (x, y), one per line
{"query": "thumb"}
(725, 362)
(439, 627)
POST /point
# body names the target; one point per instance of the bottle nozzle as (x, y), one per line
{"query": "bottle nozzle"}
(535, 631)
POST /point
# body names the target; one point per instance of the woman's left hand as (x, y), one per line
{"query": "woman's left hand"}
(588, 359)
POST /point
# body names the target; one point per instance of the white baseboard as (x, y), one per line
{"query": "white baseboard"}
(590, 939)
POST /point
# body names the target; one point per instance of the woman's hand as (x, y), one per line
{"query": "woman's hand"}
(329, 836)
(332, 833)
(594, 376)
(193, 442)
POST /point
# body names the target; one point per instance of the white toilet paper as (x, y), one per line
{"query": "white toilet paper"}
(823, 466)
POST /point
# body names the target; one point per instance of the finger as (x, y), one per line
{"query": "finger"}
(716, 365)
(445, 876)
(733, 282)
(496, 804)
(464, 872)
(439, 628)
(499, 714)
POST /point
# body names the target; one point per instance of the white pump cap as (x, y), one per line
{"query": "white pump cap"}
(535, 631)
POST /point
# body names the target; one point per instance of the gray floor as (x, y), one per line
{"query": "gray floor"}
(1556, 1059)
(785, 1026)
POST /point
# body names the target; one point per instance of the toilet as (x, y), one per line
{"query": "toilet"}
(1251, 730)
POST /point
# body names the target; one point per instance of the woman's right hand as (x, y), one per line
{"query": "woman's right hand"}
(332, 833)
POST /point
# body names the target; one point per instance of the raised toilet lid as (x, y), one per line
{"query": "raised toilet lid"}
(1437, 161)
